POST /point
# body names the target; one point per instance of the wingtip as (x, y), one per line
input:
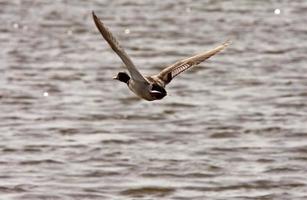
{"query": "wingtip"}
(227, 43)
(93, 14)
(95, 18)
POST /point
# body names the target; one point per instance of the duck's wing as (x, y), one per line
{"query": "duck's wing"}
(108, 36)
(167, 74)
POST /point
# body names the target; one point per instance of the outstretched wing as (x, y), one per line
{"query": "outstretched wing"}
(167, 74)
(107, 35)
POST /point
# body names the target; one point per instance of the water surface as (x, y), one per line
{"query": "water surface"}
(232, 128)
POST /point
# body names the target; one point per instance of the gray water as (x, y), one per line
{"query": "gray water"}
(232, 128)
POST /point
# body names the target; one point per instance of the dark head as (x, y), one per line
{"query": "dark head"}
(123, 77)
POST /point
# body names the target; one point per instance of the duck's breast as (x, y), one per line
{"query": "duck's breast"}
(141, 89)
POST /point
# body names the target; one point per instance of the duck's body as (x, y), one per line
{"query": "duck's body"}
(142, 90)
(151, 87)
(150, 90)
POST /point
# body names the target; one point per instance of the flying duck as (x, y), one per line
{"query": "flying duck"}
(152, 87)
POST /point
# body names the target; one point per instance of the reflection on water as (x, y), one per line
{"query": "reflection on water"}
(233, 128)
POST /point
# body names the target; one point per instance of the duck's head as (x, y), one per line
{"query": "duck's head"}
(122, 76)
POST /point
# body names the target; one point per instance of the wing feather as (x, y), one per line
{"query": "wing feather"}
(170, 72)
(108, 36)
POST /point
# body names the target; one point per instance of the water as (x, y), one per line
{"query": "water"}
(233, 128)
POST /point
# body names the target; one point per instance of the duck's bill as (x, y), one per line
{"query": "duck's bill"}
(114, 78)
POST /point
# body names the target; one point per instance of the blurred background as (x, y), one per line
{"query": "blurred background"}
(232, 128)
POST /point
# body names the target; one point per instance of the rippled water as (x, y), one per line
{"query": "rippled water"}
(233, 128)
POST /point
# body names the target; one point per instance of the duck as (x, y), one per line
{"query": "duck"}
(152, 87)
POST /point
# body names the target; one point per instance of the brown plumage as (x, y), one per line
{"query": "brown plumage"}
(152, 87)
